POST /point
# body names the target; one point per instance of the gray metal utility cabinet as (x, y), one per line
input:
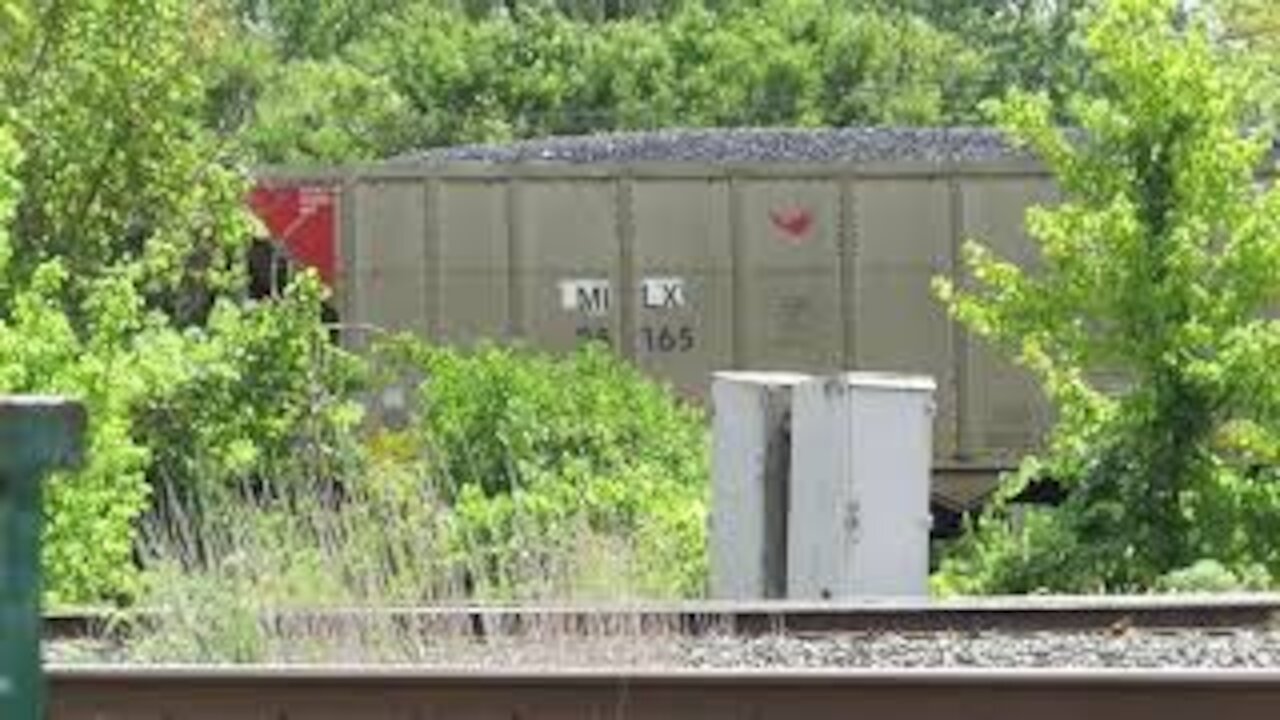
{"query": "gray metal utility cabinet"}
(858, 516)
(820, 485)
(751, 463)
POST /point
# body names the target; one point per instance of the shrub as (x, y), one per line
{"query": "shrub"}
(527, 445)
(520, 476)
(1156, 270)
(1213, 576)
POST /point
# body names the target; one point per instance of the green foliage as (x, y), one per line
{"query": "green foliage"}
(803, 62)
(123, 226)
(87, 550)
(122, 233)
(312, 29)
(364, 79)
(432, 73)
(528, 446)
(1145, 322)
(10, 190)
(518, 476)
(118, 174)
(1028, 44)
(216, 575)
(326, 111)
(498, 416)
(258, 392)
(1255, 22)
(1253, 28)
(72, 319)
(1211, 576)
(361, 79)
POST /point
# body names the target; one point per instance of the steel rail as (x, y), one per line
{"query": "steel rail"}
(365, 693)
(1048, 613)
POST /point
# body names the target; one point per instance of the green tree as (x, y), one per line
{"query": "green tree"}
(1145, 322)
(311, 29)
(538, 71)
(522, 446)
(9, 188)
(123, 229)
(121, 222)
(326, 111)
(1254, 27)
(119, 174)
(361, 79)
(1028, 44)
(1255, 21)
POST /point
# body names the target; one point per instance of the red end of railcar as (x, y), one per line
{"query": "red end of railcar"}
(301, 218)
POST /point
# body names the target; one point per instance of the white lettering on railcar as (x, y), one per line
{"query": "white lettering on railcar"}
(594, 297)
(662, 293)
(587, 296)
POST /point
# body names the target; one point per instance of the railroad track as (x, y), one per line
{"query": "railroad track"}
(704, 662)
(190, 693)
(1049, 613)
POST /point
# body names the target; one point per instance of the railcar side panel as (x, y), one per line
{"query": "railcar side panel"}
(707, 268)
(568, 262)
(1003, 414)
(389, 276)
(789, 284)
(903, 242)
(473, 261)
(682, 278)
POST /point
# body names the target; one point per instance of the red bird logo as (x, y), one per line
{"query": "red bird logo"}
(794, 223)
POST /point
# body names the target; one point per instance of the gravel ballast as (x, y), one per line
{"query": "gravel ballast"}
(1237, 648)
(1135, 649)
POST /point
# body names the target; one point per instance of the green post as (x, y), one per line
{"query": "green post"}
(37, 434)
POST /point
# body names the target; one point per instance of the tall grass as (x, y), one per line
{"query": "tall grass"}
(229, 569)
